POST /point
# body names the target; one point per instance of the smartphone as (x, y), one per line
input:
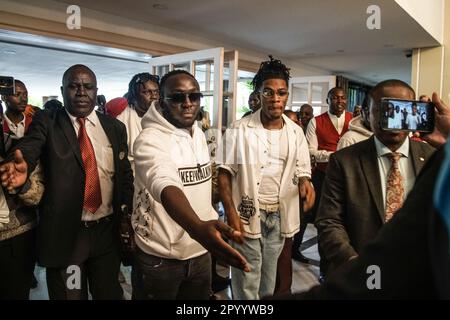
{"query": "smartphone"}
(7, 87)
(407, 115)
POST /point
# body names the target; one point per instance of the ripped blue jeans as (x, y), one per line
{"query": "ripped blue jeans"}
(262, 255)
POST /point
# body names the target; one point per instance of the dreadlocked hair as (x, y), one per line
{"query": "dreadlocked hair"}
(162, 85)
(271, 69)
(135, 83)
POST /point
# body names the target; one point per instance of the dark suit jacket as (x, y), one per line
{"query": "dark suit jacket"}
(411, 251)
(52, 139)
(351, 210)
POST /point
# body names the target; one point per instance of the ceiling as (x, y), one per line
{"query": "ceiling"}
(41, 68)
(326, 34)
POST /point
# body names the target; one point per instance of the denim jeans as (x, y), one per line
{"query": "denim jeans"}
(155, 278)
(262, 255)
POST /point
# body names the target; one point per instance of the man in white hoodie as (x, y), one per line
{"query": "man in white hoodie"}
(173, 218)
(359, 129)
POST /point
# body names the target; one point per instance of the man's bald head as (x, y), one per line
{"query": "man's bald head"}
(75, 68)
(306, 113)
(389, 83)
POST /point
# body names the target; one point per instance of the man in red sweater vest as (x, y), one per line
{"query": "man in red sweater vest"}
(324, 131)
(323, 134)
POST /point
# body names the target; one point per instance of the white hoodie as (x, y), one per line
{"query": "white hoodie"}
(168, 156)
(357, 132)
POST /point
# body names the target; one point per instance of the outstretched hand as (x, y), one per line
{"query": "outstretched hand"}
(14, 173)
(210, 234)
(441, 123)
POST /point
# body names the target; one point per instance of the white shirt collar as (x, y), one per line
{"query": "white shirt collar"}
(382, 150)
(92, 118)
(12, 124)
(335, 116)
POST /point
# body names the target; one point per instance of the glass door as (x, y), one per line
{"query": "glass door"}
(310, 90)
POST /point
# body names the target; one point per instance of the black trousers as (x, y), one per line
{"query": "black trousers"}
(318, 178)
(94, 266)
(17, 259)
(155, 278)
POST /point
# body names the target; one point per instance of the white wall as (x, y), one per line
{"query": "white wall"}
(428, 13)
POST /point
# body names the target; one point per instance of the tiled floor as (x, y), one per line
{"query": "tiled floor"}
(304, 275)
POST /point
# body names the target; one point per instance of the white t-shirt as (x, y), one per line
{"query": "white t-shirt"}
(413, 121)
(272, 172)
(396, 122)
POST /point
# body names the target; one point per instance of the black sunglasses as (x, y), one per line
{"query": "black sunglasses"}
(180, 97)
(147, 77)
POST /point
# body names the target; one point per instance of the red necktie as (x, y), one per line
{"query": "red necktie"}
(394, 187)
(92, 191)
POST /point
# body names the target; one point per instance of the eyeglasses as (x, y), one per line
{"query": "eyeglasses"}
(180, 97)
(269, 93)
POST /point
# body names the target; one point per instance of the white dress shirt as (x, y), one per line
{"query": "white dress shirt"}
(105, 164)
(311, 136)
(405, 165)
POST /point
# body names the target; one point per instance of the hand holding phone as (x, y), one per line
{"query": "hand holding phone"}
(442, 124)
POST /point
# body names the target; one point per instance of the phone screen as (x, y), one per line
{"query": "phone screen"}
(407, 115)
(7, 87)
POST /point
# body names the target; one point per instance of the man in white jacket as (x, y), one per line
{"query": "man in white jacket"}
(266, 168)
(173, 216)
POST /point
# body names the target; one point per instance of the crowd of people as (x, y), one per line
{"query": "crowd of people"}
(133, 183)
(412, 117)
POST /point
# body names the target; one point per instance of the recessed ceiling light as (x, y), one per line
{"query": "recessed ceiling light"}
(159, 6)
(7, 51)
(340, 51)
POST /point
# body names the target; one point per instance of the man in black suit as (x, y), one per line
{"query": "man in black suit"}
(88, 179)
(411, 253)
(358, 197)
